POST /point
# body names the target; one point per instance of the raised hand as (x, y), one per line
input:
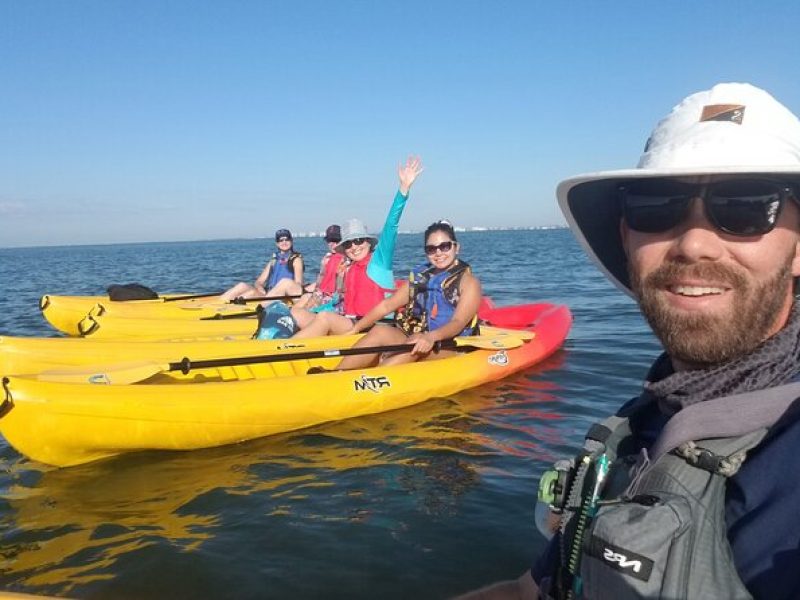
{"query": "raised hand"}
(408, 173)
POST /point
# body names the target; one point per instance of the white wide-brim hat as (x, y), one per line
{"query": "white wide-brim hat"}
(731, 130)
(352, 230)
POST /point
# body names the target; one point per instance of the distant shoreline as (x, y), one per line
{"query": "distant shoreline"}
(300, 235)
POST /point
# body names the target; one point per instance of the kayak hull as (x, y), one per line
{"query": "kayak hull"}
(68, 314)
(65, 424)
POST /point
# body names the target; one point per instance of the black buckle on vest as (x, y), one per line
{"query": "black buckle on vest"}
(707, 460)
(599, 433)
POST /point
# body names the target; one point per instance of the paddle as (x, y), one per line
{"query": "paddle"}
(192, 296)
(241, 300)
(128, 373)
(238, 301)
(225, 316)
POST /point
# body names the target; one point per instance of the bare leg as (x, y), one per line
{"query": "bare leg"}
(380, 335)
(302, 302)
(326, 323)
(234, 292)
(241, 290)
(407, 357)
(285, 287)
(302, 316)
(401, 358)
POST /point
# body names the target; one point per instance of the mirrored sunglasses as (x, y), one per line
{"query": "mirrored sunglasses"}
(742, 207)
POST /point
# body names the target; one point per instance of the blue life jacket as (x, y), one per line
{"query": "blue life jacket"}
(433, 298)
(281, 267)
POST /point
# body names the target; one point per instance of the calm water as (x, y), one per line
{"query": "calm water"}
(419, 503)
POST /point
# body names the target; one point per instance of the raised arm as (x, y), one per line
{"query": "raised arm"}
(408, 173)
(380, 265)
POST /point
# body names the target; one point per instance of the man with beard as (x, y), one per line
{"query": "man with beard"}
(691, 489)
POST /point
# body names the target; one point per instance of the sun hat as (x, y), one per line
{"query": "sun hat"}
(333, 233)
(733, 129)
(352, 230)
(281, 233)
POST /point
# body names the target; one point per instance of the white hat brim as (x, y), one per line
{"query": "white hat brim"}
(591, 207)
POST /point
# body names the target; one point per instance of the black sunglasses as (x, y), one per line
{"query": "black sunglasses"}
(358, 241)
(283, 239)
(443, 247)
(744, 207)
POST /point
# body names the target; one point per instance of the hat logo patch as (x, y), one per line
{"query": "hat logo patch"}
(734, 113)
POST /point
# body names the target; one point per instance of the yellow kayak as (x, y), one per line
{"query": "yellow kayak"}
(72, 423)
(108, 325)
(111, 327)
(68, 314)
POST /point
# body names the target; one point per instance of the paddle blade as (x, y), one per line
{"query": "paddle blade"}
(119, 374)
(498, 342)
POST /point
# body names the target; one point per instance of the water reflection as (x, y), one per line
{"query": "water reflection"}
(66, 530)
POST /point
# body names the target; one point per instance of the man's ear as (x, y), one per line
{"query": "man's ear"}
(796, 259)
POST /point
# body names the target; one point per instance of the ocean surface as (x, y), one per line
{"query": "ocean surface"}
(424, 502)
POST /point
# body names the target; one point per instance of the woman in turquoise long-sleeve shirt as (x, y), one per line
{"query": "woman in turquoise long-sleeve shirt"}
(369, 276)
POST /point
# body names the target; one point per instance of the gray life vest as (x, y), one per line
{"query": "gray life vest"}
(652, 524)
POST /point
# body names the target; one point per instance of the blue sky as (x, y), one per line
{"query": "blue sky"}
(130, 121)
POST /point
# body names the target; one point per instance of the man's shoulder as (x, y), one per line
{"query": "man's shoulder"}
(760, 511)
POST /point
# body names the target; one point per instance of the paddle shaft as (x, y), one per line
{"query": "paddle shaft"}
(185, 365)
(191, 296)
(126, 374)
(238, 300)
(223, 316)
(241, 300)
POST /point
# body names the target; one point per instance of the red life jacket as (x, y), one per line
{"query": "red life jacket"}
(361, 294)
(327, 282)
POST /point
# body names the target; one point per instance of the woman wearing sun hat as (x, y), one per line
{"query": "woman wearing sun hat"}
(368, 275)
(282, 273)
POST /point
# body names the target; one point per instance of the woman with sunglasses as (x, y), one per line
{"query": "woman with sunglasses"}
(441, 299)
(282, 275)
(367, 276)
